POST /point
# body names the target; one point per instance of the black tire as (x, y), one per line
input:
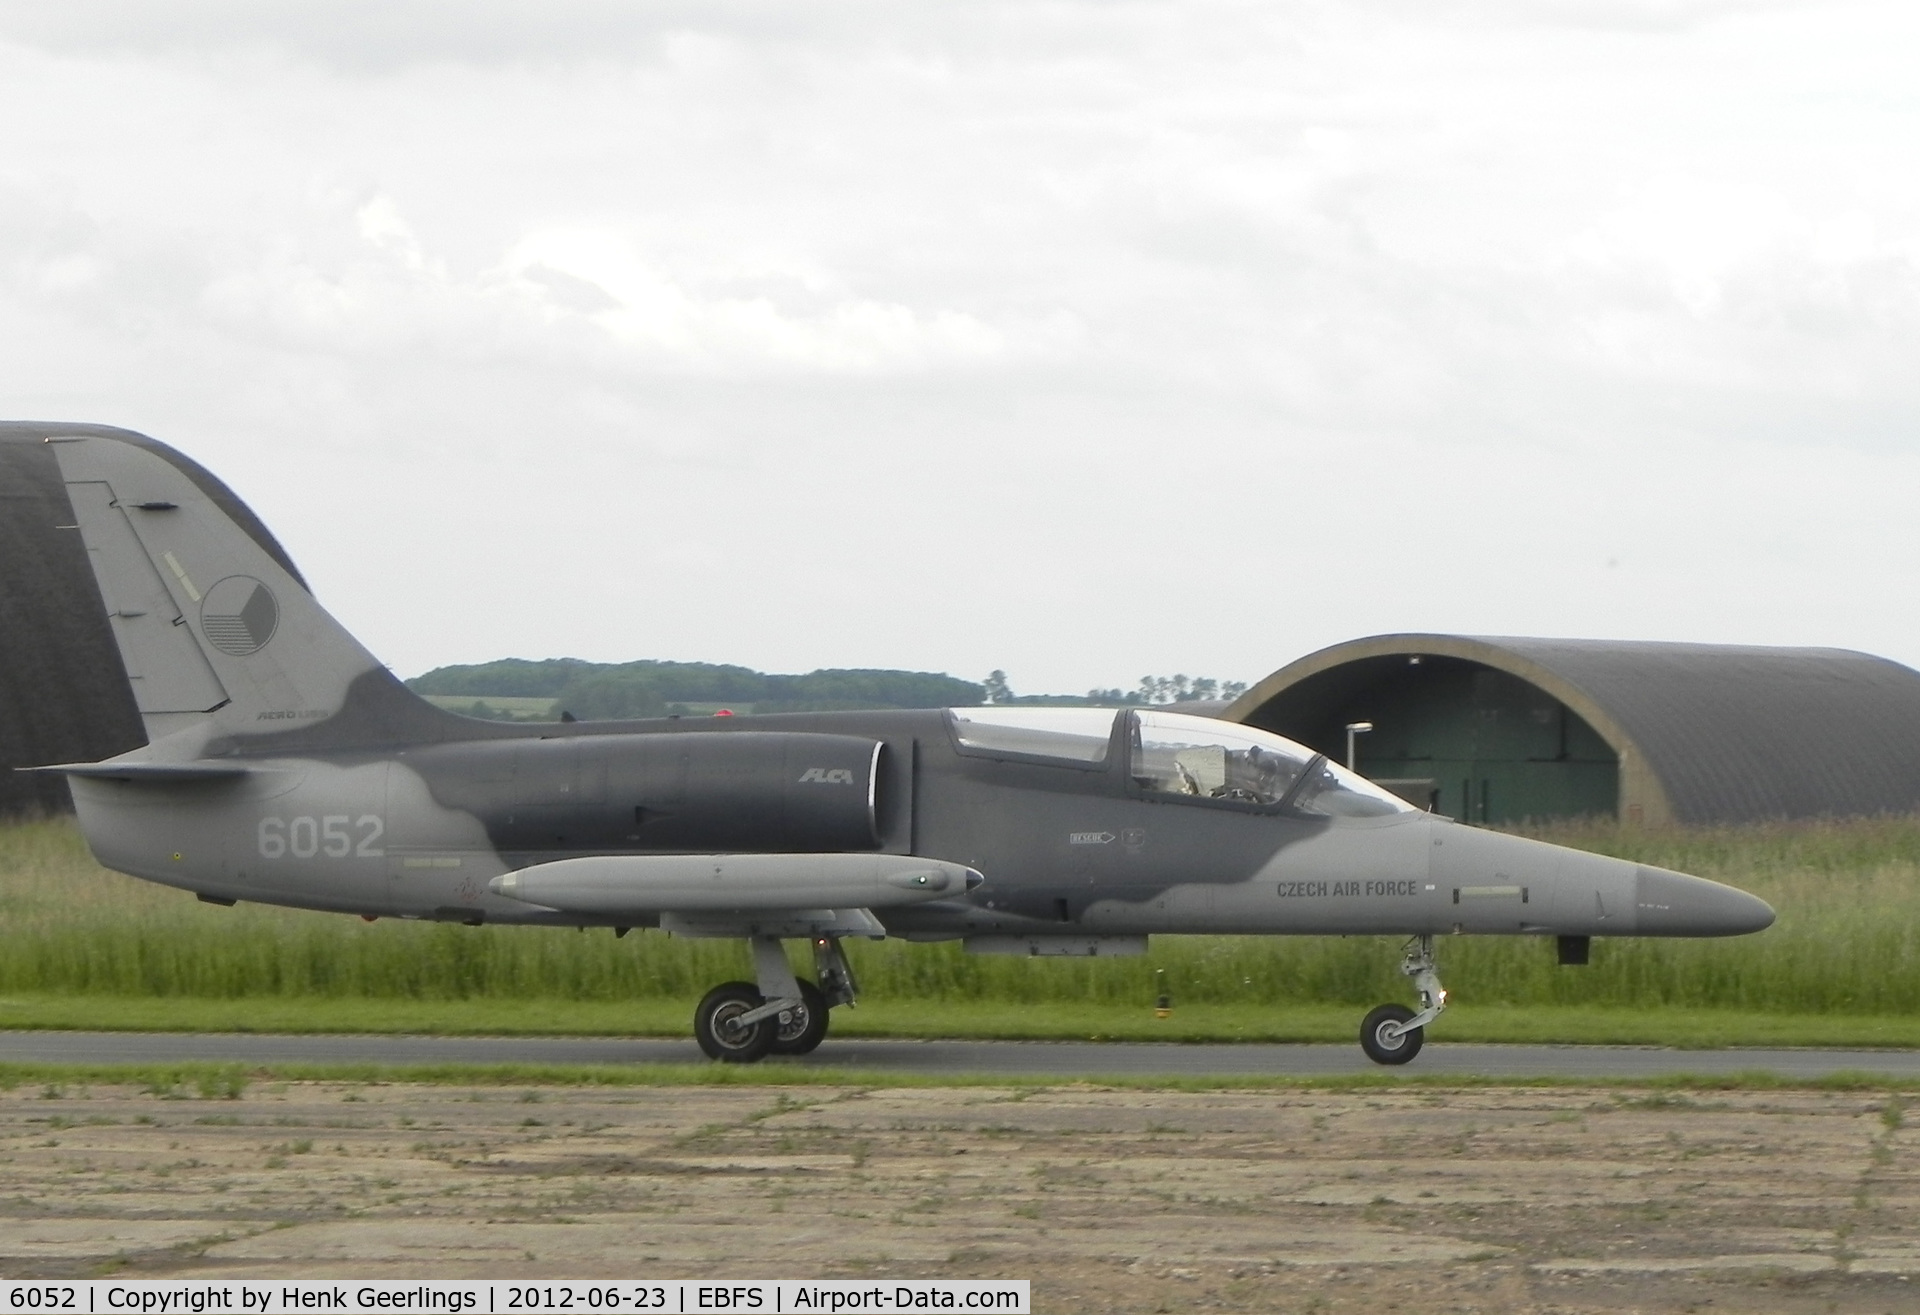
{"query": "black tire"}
(800, 1031)
(1397, 1050)
(732, 1044)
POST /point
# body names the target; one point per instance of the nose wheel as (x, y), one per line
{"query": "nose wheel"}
(1393, 1033)
(1387, 1039)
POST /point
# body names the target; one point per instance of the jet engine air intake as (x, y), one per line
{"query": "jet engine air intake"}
(764, 792)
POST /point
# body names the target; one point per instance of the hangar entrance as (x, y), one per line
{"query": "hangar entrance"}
(1456, 736)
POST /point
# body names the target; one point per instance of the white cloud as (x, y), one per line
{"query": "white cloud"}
(739, 317)
(1078, 339)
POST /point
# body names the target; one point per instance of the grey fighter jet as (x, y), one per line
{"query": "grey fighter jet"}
(286, 765)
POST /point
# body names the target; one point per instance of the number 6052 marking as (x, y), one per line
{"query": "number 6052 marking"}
(322, 837)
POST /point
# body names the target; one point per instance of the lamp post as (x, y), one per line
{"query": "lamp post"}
(1355, 729)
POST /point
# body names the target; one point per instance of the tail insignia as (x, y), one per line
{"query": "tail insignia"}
(239, 615)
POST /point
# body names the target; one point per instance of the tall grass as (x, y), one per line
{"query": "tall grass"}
(1848, 941)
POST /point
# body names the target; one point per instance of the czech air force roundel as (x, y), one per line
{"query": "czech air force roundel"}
(239, 615)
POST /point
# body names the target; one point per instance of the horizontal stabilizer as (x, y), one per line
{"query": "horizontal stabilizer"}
(612, 885)
(149, 773)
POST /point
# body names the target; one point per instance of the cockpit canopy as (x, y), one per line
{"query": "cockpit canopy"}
(1180, 756)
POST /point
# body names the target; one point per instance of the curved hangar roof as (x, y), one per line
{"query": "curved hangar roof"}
(63, 690)
(1702, 732)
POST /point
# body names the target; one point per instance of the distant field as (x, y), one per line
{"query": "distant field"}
(1847, 948)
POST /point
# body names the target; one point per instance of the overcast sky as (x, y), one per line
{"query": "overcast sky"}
(1084, 340)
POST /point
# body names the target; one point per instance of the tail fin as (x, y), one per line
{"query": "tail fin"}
(213, 631)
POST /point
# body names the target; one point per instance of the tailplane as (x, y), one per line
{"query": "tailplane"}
(214, 632)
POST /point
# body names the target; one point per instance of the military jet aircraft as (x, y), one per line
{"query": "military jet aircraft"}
(287, 766)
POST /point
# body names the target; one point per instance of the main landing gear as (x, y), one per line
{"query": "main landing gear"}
(741, 1022)
(1393, 1033)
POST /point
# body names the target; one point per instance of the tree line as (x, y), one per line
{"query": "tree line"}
(613, 691)
(1152, 691)
(606, 691)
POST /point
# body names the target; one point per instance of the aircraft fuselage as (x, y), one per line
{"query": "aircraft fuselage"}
(1066, 848)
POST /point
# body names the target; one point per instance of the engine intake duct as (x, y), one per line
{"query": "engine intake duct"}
(751, 792)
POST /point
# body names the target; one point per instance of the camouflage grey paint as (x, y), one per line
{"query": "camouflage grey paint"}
(345, 792)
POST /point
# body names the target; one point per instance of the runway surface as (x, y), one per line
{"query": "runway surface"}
(1063, 1059)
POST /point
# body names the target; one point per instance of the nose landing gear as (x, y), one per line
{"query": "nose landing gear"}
(1393, 1033)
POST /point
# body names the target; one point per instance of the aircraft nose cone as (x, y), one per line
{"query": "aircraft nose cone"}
(1674, 904)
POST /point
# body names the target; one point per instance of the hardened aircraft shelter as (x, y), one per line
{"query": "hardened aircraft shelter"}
(1500, 730)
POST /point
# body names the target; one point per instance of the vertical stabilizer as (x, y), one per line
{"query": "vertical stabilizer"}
(213, 631)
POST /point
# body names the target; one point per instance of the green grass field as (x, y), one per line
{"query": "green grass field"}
(82, 947)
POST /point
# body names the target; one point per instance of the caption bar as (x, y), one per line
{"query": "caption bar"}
(391, 1296)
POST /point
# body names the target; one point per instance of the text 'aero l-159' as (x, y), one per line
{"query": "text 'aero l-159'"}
(287, 766)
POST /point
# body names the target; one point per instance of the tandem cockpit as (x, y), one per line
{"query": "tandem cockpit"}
(1179, 756)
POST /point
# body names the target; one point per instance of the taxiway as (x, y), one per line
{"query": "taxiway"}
(959, 1058)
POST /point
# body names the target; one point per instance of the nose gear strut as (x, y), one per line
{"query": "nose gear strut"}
(1393, 1033)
